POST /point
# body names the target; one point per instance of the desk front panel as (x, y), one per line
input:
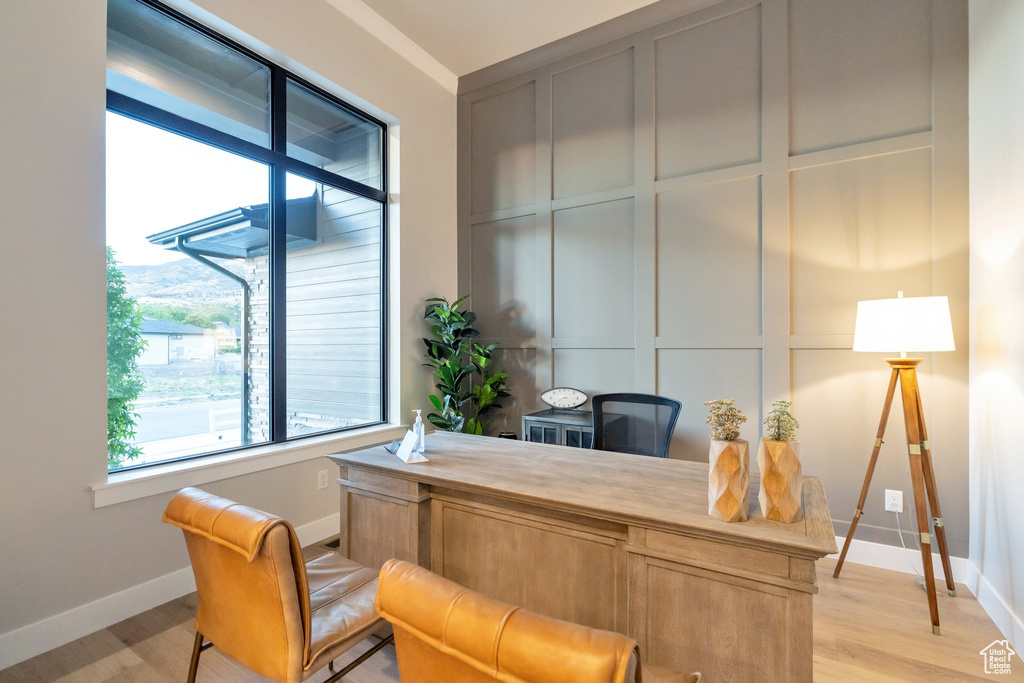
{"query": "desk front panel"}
(692, 603)
(563, 569)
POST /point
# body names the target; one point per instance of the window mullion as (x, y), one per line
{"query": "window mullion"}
(278, 262)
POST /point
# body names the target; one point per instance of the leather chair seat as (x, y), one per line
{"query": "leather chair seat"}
(341, 600)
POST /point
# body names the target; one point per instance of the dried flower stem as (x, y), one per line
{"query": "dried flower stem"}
(780, 425)
(725, 419)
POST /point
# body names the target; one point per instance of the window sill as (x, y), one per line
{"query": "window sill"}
(133, 485)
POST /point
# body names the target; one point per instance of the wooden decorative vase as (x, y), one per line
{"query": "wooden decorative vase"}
(729, 480)
(782, 480)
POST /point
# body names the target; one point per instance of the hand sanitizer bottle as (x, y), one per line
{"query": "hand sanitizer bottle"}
(418, 430)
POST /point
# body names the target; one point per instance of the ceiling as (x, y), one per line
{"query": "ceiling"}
(466, 35)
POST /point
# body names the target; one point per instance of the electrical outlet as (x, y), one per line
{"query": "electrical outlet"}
(893, 501)
(321, 479)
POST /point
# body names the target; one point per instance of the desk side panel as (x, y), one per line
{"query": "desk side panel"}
(383, 518)
(731, 629)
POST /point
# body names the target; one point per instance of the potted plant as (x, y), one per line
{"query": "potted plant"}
(778, 458)
(729, 463)
(457, 360)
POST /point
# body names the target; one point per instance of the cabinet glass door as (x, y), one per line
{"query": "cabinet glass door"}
(551, 434)
(536, 433)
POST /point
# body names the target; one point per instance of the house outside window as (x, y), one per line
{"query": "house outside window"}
(246, 236)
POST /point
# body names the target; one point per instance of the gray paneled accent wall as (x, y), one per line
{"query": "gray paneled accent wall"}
(695, 209)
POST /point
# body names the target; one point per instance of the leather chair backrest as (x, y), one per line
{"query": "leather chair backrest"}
(250, 580)
(444, 632)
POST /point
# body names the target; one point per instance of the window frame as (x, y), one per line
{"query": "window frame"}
(280, 165)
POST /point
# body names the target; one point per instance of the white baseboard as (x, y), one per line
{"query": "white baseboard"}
(28, 641)
(319, 530)
(1002, 614)
(900, 560)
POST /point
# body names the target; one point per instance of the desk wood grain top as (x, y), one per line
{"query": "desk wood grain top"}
(630, 489)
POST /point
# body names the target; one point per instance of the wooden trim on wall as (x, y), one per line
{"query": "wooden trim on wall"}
(775, 220)
(593, 343)
(645, 231)
(719, 175)
(711, 342)
(651, 17)
(502, 214)
(544, 376)
(863, 150)
(593, 198)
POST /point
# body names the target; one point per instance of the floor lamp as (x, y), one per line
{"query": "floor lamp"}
(914, 324)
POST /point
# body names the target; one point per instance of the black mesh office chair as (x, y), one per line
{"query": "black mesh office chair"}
(641, 424)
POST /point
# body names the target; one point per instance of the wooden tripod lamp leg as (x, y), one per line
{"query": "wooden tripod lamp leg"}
(933, 501)
(911, 398)
(871, 470)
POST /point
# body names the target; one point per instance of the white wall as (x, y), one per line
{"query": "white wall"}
(997, 302)
(58, 552)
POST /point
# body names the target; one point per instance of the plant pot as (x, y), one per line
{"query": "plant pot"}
(782, 480)
(729, 480)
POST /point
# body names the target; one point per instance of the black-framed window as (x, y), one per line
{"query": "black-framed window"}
(246, 234)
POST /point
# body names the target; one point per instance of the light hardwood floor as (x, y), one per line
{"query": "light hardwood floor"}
(870, 625)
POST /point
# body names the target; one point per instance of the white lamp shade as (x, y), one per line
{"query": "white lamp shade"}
(914, 324)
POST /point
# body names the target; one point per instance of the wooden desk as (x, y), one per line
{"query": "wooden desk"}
(619, 542)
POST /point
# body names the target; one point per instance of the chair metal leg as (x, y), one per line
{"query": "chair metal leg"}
(359, 660)
(197, 650)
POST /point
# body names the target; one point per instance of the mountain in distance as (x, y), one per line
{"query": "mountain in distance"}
(185, 282)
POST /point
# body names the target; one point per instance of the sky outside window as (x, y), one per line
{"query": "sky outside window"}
(158, 180)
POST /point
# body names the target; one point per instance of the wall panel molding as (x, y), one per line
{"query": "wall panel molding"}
(775, 217)
(593, 343)
(863, 150)
(794, 175)
(544, 375)
(655, 17)
(719, 175)
(502, 214)
(645, 221)
(712, 342)
(611, 195)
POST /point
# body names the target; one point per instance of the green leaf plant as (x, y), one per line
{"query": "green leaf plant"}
(124, 377)
(456, 358)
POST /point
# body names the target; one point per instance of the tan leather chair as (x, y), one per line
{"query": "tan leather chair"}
(259, 602)
(444, 632)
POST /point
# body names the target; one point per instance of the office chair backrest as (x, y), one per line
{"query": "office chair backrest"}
(641, 424)
(250, 581)
(444, 632)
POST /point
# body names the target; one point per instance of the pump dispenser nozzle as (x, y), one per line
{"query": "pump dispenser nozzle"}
(419, 430)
